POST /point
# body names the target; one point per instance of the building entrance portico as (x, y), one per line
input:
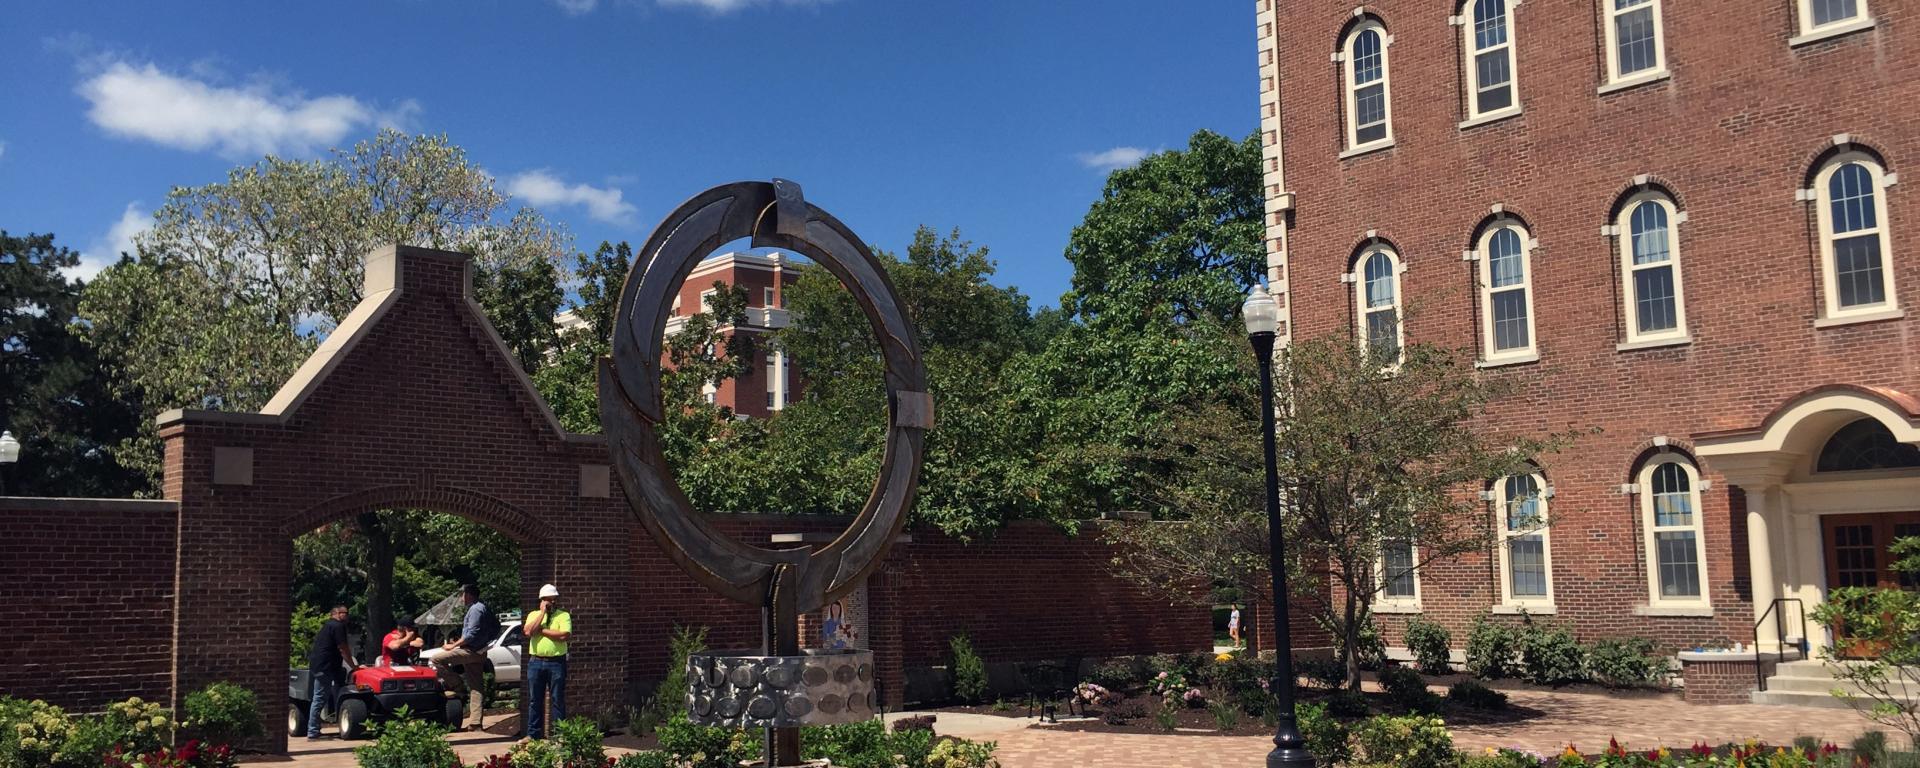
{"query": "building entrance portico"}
(1828, 486)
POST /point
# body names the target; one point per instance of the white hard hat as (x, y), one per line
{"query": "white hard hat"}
(549, 591)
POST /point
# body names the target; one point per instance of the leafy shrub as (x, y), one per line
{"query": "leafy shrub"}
(1348, 704)
(538, 753)
(31, 733)
(960, 753)
(1408, 690)
(1503, 758)
(704, 746)
(1174, 691)
(1326, 737)
(1491, 648)
(1124, 713)
(221, 713)
(670, 697)
(1430, 644)
(408, 743)
(1626, 663)
(580, 746)
(1404, 742)
(1471, 694)
(969, 672)
(867, 744)
(304, 624)
(1226, 717)
(1243, 680)
(643, 719)
(654, 759)
(915, 723)
(1167, 717)
(1550, 656)
(1119, 674)
(1326, 673)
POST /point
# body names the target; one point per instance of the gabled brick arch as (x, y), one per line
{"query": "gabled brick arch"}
(413, 401)
(478, 507)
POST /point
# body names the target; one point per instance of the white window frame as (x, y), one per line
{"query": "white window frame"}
(1623, 233)
(1810, 31)
(1544, 603)
(1823, 213)
(706, 300)
(1698, 528)
(1617, 79)
(1361, 310)
(1354, 146)
(1470, 41)
(1385, 603)
(766, 298)
(1484, 257)
(777, 379)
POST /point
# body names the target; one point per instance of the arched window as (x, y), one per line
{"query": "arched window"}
(1650, 269)
(1817, 16)
(1369, 116)
(1377, 294)
(1489, 46)
(1863, 445)
(1852, 213)
(1676, 549)
(1636, 50)
(1526, 554)
(1506, 295)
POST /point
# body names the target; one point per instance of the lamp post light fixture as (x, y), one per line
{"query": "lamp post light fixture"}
(1262, 315)
(9, 453)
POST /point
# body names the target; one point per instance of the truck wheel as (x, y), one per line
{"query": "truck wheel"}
(296, 719)
(353, 718)
(453, 713)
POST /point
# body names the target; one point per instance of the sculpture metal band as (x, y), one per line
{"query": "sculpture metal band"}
(783, 582)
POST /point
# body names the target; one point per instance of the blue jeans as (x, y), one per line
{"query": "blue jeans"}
(544, 676)
(322, 684)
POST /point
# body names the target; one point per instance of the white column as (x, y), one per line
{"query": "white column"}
(1760, 505)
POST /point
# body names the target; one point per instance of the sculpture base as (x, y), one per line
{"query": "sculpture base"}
(741, 690)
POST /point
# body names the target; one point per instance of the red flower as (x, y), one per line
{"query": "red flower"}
(1700, 749)
(1614, 749)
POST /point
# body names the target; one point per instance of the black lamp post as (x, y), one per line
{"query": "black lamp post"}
(1262, 314)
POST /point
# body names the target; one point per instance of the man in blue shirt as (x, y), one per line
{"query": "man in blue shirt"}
(468, 654)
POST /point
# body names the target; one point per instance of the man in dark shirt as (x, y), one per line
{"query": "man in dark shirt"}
(328, 662)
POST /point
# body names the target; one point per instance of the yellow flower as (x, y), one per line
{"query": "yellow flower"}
(1223, 657)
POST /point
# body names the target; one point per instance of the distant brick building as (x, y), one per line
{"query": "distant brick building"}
(771, 381)
(1679, 222)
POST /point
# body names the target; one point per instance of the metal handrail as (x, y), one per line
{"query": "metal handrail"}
(1780, 636)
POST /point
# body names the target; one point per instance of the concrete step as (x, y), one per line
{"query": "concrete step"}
(1820, 685)
(1798, 699)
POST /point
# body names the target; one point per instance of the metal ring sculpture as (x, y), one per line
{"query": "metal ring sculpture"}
(784, 582)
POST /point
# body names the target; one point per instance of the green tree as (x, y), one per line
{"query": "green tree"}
(236, 281)
(53, 394)
(1876, 645)
(1365, 457)
(570, 381)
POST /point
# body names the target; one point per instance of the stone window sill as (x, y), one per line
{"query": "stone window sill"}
(1635, 81)
(1700, 611)
(1491, 117)
(1367, 149)
(1539, 609)
(1864, 317)
(1677, 341)
(1833, 31)
(1397, 608)
(1498, 362)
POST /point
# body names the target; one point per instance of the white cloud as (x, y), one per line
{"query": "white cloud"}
(105, 251)
(729, 6)
(577, 7)
(1113, 159)
(542, 188)
(143, 102)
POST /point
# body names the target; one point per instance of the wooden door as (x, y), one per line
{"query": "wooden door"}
(1858, 555)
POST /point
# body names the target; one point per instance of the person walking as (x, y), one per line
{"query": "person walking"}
(1233, 626)
(468, 655)
(328, 662)
(548, 630)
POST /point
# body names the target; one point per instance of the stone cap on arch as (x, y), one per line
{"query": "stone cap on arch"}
(387, 280)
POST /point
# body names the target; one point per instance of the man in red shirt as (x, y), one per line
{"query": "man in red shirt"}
(401, 647)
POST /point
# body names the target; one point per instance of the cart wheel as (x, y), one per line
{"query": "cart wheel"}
(353, 718)
(296, 719)
(451, 714)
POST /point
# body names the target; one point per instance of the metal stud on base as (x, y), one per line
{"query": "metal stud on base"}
(820, 687)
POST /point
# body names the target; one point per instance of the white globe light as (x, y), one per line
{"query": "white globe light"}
(1261, 312)
(9, 448)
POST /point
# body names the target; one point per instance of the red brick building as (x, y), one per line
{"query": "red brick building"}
(1678, 222)
(770, 382)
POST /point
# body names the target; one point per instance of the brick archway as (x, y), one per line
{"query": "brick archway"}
(413, 401)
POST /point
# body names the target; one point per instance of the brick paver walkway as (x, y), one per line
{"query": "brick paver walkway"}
(1553, 720)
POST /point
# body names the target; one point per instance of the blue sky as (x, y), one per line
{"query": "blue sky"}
(1000, 117)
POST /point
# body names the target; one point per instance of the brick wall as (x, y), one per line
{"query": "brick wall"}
(93, 580)
(1732, 135)
(1720, 682)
